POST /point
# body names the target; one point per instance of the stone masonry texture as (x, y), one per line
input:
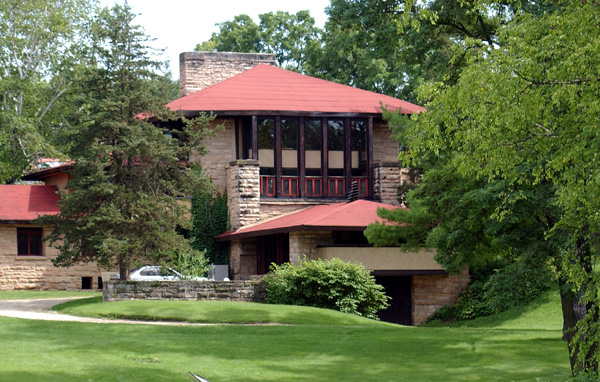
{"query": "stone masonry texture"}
(243, 193)
(199, 70)
(38, 272)
(431, 292)
(250, 291)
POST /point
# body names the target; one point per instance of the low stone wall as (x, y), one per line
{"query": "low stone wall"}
(251, 291)
(431, 292)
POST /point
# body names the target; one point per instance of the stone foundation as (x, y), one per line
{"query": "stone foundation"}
(38, 272)
(249, 291)
(431, 292)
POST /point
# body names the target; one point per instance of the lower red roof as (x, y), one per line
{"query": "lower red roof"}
(23, 203)
(353, 216)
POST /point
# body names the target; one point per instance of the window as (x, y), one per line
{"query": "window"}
(29, 241)
(266, 145)
(308, 157)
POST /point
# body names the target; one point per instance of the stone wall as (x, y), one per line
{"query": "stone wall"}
(250, 291)
(199, 70)
(385, 148)
(243, 258)
(221, 149)
(243, 192)
(431, 292)
(306, 242)
(386, 179)
(270, 208)
(38, 272)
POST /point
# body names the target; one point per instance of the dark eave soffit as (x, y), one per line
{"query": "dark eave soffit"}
(191, 114)
(245, 235)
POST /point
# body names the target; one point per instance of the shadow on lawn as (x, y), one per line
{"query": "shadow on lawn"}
(282, 353)
(100, 373)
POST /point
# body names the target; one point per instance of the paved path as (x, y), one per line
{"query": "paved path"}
(40, 310)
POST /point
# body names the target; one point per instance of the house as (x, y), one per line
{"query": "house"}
(25, 259)
(290, 150)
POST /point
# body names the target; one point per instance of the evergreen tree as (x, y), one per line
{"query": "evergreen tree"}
(122, 201)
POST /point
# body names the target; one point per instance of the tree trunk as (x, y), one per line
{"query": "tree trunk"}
(575, 309)
(123, 269)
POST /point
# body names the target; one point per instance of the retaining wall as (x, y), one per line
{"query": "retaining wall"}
(251, 291)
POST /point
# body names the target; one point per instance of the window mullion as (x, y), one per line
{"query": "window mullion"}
(277, 156)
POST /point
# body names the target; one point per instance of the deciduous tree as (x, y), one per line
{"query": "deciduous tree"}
(523, 111)
(293, 38)
(41, 48)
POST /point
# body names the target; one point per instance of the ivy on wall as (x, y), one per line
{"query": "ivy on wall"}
(210, 219)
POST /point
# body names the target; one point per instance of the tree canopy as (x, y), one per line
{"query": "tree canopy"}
(121, 203)
(42, 43)
(521, 118)
(292, 38)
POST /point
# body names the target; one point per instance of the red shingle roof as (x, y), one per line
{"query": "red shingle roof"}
(354, 216)
(268, 88)
(22, 203)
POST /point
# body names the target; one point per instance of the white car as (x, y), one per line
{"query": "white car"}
(156, 273)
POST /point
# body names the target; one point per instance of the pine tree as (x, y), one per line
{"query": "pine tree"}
(122, 202)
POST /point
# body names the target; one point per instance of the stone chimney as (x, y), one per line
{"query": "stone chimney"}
(199, 70)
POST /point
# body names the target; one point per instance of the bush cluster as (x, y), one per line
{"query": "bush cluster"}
(210, 218)
(506, 288)
(333, 284)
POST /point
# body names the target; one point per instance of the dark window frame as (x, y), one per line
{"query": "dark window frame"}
(30, 235)
(247, 129)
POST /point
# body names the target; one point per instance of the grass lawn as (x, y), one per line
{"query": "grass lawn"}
(315, 345)
(37, 294)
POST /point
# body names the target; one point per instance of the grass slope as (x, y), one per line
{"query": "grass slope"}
(314, 346)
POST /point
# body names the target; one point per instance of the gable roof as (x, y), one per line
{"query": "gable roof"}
(353, 216)
(268, 88)
(23, 203)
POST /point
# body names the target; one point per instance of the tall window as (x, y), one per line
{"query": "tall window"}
(335, 158)
(358, 155)
(266, 152)
(289, 157)
(313, 165)
(29, 241)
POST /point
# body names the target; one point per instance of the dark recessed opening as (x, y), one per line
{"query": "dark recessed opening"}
(86, 283)
(100, 286)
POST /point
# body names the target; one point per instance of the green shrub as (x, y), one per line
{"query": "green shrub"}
(209, 219)
(333, 284)
(586, 377)
(191, 264)
(506, 288)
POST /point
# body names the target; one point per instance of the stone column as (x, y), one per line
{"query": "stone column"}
(199, 70)
(243, 192)
(386, 179)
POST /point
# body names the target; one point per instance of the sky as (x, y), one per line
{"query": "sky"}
(178, 25)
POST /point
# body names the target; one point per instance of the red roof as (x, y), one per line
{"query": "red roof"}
(23, 203)
(354, 216)
(268, 88)
(41, 174)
